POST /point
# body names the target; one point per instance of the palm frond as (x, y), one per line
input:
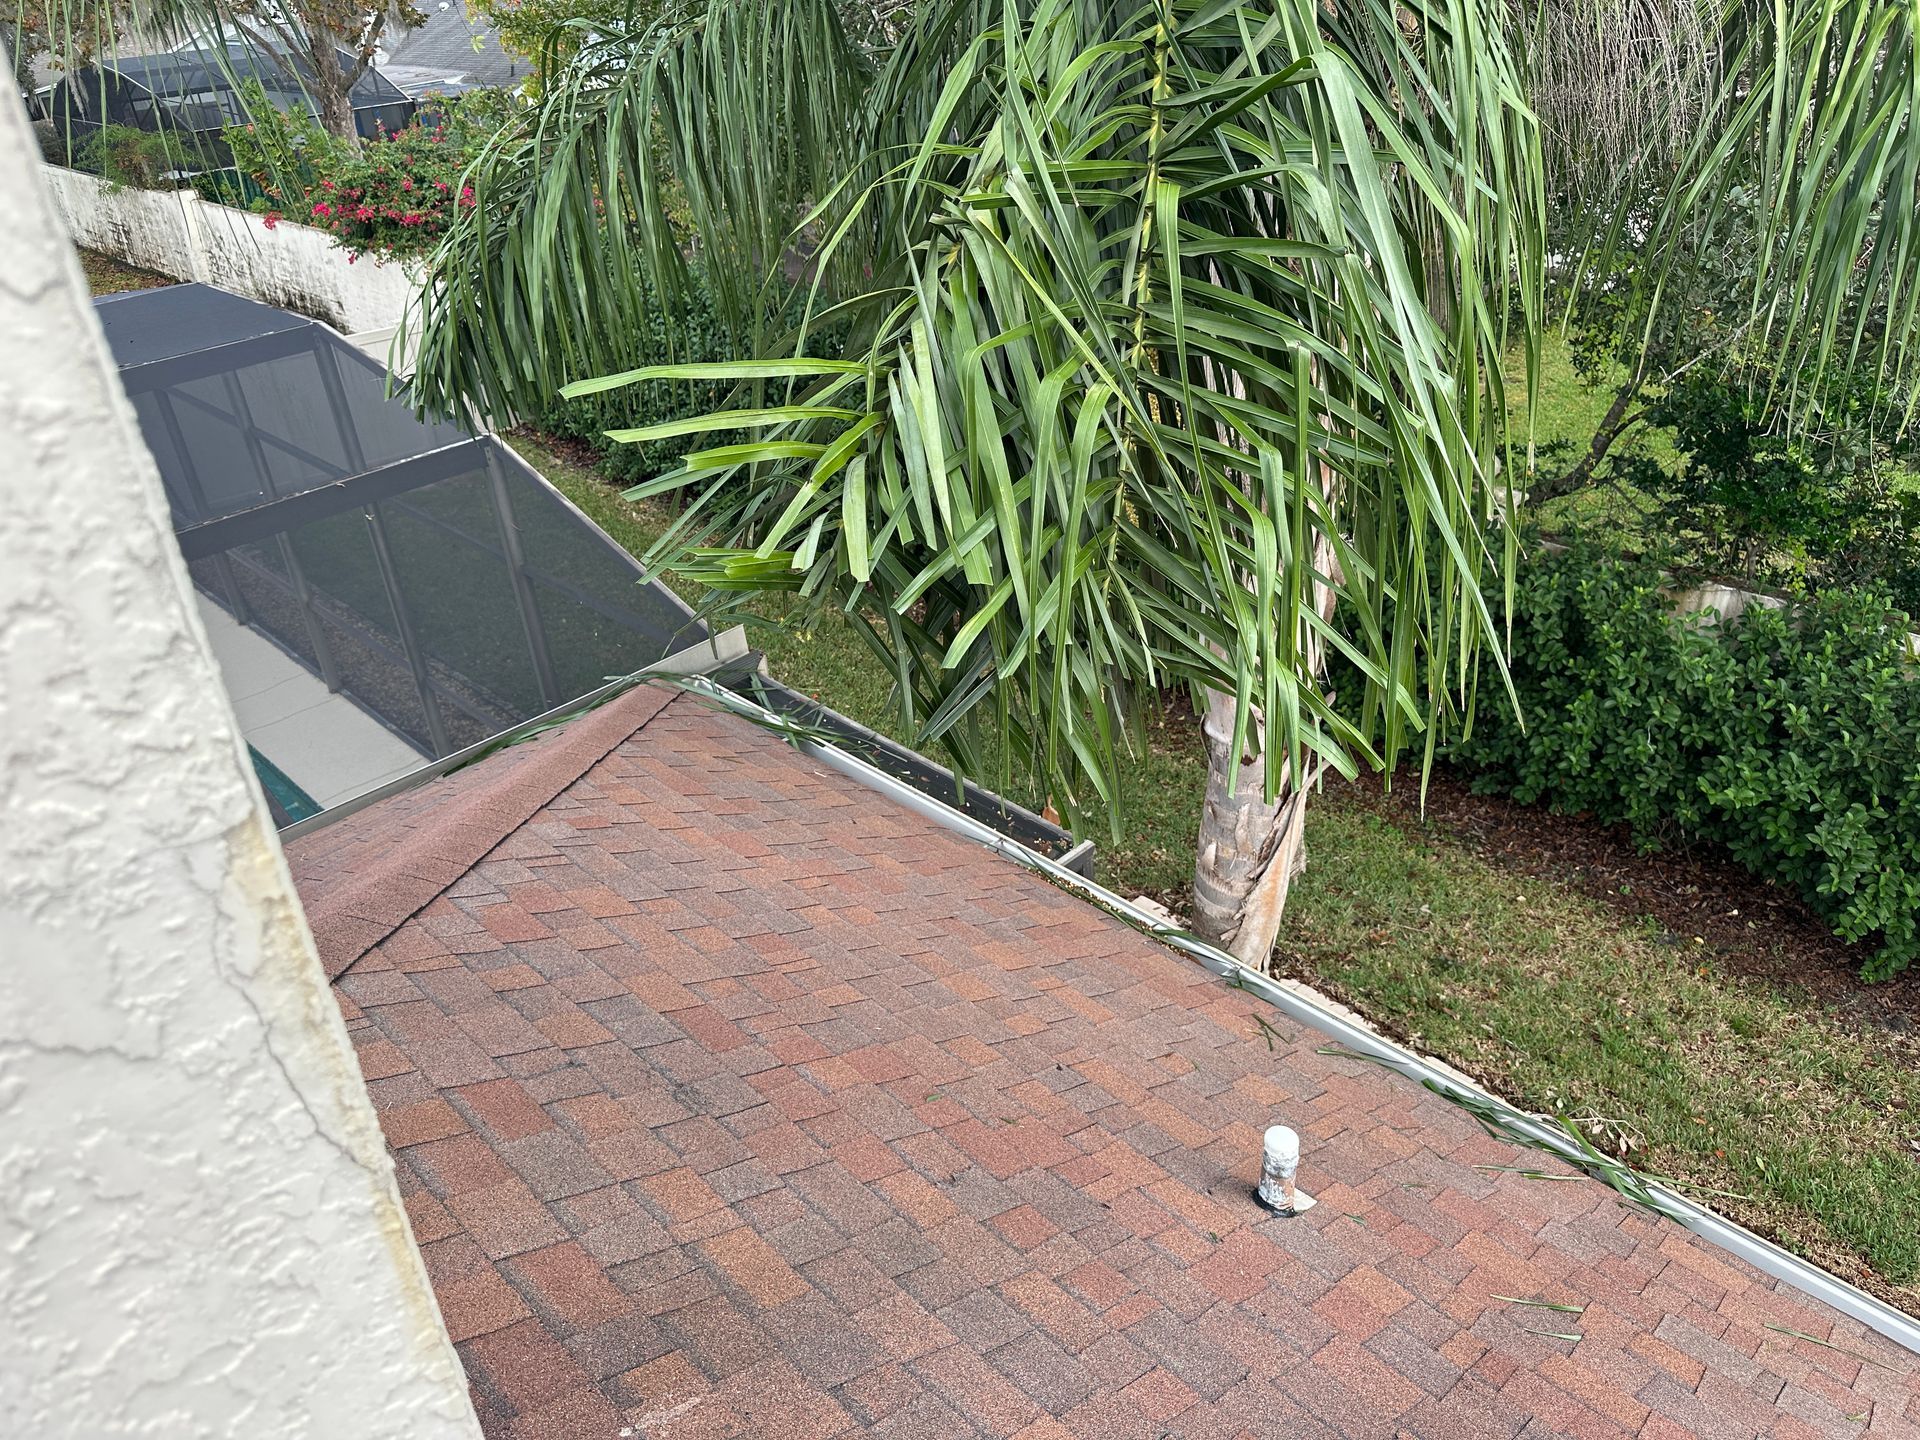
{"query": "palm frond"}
(711, 129)
(1178, 366)
(1805, 149)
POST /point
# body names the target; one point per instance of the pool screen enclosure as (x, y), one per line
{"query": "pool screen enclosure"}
(192, 92)
(424, 571)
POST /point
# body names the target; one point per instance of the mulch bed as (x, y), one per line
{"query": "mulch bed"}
(1750, 927)
(106, 275)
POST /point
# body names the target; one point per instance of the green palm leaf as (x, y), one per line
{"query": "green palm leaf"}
(1173, 330)
(1176, 369)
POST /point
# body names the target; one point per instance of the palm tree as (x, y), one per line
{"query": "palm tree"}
(1166, 343)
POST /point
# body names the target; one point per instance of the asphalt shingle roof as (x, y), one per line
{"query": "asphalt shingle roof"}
(730, 1099)
(443, 49)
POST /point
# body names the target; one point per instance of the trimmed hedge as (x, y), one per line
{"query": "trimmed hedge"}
(694, 332)
(1791, 738)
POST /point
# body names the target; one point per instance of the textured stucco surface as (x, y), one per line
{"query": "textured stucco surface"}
(178, 234)
(199, 1229)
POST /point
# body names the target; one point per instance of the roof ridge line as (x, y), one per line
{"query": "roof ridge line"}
(448, 842)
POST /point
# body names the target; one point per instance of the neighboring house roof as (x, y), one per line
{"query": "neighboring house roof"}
(196, 67)
(441, 55)
(730, 1098)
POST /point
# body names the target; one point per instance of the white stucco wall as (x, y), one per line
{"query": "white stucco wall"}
(199, 1230)
(178, 234)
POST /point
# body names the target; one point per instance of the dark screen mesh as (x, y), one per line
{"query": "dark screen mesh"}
(236, 427)
(601, 616)
(461, 595)
(431, 577)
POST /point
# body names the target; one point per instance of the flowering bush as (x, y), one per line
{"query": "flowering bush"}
(392, 198)
(393, 195)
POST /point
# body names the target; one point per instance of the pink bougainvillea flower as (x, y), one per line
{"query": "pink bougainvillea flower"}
(323, 209)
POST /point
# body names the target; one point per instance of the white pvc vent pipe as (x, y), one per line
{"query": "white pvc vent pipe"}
(1279, 1164)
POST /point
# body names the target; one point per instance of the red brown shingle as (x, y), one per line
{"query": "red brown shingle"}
(793, 1115)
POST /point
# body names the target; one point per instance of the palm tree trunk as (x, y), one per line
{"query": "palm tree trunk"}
(1249, 850)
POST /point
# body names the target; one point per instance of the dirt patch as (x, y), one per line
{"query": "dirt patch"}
(1747, 925)
(577, 453)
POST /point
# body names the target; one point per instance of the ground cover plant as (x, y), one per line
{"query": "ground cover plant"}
(106, 275)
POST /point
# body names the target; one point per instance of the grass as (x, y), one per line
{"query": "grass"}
(1718, 1081)
(1725, 1082)
(1568, 409)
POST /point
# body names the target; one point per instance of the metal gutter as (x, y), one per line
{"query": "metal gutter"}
(1762, 1254)
(1003, 816)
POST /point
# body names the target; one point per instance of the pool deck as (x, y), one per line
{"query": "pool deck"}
(323, 742)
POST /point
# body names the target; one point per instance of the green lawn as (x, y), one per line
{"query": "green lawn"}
(1545, 994)
(1560, 1005)
(1568, 409)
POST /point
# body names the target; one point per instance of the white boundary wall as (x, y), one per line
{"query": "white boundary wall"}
(200, 1234)
(180, 235)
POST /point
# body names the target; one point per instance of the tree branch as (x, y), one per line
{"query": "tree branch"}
(1613, 425)
(290, 41)
(369, 38)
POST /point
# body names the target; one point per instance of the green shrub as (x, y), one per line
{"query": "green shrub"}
(1796, 509)
(1791, 738)
(130, 158)
(692, 331)
(697, 334)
